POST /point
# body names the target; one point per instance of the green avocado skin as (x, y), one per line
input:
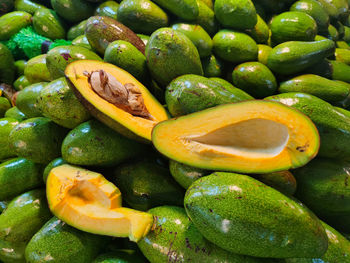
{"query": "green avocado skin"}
(59, 57)
(245, 216)
(7, 65)
(295, 56)
(176, 239)
(144, 38)
(120, 256)
(76, 30)
(62, 244)
(54, 163)
(21, 83)
(145, 184)
(81, 41)
(28, 6)
(254, 78)
(171, 54)
(332, 33)
(233, 46)
(335, 8)
(263, 53)
(342, 55)
(212, 66)
(206, 18)
(6, 125)
(340, 71)
(334, 128)
(92, 143)
(11, 23)
(48, 24)
(283, 181)
(20, 65)
(24, 216)
(37, 139)
(15, 113)
(12, 252)
(261, 31)
(5, 105)
(338, 249)
(320, 87)
(58, 102)
(186, 9)
(26, 100)
(36, 70)
(108, 8)
(237, 14)
(142, 16)
(192, 93)
(73, 11)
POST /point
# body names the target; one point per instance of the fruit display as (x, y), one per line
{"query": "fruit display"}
(135, 131)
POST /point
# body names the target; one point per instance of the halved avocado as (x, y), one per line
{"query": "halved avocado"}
(127, 123)
(87, 201)
(249, 137)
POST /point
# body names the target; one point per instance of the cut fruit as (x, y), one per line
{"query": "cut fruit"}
(87, 201)
(250, 137)
(116, 98)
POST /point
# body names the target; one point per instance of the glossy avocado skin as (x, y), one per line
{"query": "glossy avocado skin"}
(12, 252)
(48, 24)
(4, 106)
(15, 113)
(263, 53)
(54, 163)
(21, 83)
(192, 93)
(171, 54)
(107, 8)
(261, 31)
(76, 30)
(340, 71)
(335, 8)
(6, 125)
(212, 66)
(186, 9)
(7, 65)
(334, 128)
(73, 11)
(242, 215)
(81, 41)
(176, 239)
(36, 70)
(26, 100)
(58, 242)
(283, 181)
(28, 6)
(342, 55)
(206, 18)
(11, 23)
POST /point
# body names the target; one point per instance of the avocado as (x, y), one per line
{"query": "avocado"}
(206, 18)
(76, 30)
(62, 243)
(261, 32)
(334, 128)
(6, 125)
(73, 11)
(81, 41)
(342, 44)
(21, 83)
(346, 37)
(20, 66)
(6, 6)
(239, 14)
(254, 208)
(37, 70)
(121, 256)
(254, 78)
(101, 31)
(171, 54)
(24, 216)
(17, 176)
(283, 181)
(332, 33)
(185, 9)
(92, 143)
(145, 184)
(126, 56)
(48, 24)
(144, 38)
(340, 71)
(142, 16)
(293, 26)
(233, 46)
(192, 93)
(28, 6)
(295, 56)
(11, 23)
(184, 174)
(37, 139)
(175, 238)
(7, 65)
(263, 53)
(26, 100)
(12, 252)
(227, 85)
(15, 113)
(107, 8)
(198, 36)
(335, 8)
(4, 106)
(54, 163)
(342, 55)
(58, 102)
(212, 66)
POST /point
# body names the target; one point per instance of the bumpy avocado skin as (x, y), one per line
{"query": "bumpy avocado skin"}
(12, 252)
(28, 6)
(107, 8)
(283, 181)
(36, 70)
(144, 38)
(335, 8)
(92, 143)
(48, 24)
(340, 71)
(54, 163)
(206, 18)
(73, 11)
(15, 113)
(261, 31)
(192, 93)
(241, 214)
(63, 244)
(81, 41)
(7, 65)
(186, 9)
(175, 238)
(121, 256)
(263, 53)
(334, 128)
(26, 100)
(76, 30)
(20, 66)
(5, 105)
(171, 54)
(24, 216)
(142, 16)
(212, 67)
(234, 46)
(6, 125)
(11, 23)
(37, 139)
(342, 55)
(21, 83)
(58, 102)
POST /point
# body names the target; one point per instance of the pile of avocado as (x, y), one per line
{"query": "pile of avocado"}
(187, 58)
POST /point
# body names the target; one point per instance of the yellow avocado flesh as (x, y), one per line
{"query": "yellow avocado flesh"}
(87, 201)
(108, 113)
(248, 137)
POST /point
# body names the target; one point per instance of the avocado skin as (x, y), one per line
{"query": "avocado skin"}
(144, 38)
(263, 53)
(26, 100)
(238, 14)
(81, 41)
(293, 26)
(63, 244)
(184, 174)
(334, 128)
(7, 65)
(27, 6)
(58, 102)
(21, 83)
(142, 16)
(233, 46)
(283, 181)
(76, 30)
(15, 113)
(212, 66)
(6, 125)
(54, 163)
(6, 6)
(59, 57)
(192, 93)
(261, 31)
(20, 66)
(24, 216)
(92, 143)
(295, 56)
(36, 70)
(206, 18)
(342, 55)
(107, 8)
(171, 54)
(73, 11)
(37, 139)
(332, 33)
(186, 9)
(11, 23)
(12, 252)
(241, 214)
(121, 256)
(338, 249)
(340, 71)
(4, 106)
(254, 78)
(48, 24)
(335, 8)
(145, 184)
(175, 238)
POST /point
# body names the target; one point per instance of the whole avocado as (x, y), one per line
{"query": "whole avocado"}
(26, 100)
(73, 11)
(11, 23)
(7, 65)
(6, 125)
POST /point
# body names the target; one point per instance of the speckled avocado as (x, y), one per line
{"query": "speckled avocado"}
(340, 71)
(26, 100)
(261, 32)
(186, 9)
(254, 208)
(11, 23)
(15, 113)
(283, 181)
(73, 11)
(76, 30)
(82, 42)
(107, 8)
(28, 6)
(6, 125)
(12, 252)
(7, 65)
(21, 83)
(342, 55)
(48, 24)
(206, 18)
(212, 66)
(36, 70)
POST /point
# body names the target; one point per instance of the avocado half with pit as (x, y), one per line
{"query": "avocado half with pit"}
(116, 98)
(249, 137)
